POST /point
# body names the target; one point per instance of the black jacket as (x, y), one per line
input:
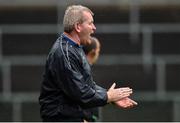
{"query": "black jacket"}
(68, 91)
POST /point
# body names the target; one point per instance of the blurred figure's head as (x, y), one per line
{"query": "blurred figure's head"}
(92, 50)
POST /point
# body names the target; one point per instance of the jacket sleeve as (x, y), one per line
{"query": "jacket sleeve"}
(100, 88)
(75, 85)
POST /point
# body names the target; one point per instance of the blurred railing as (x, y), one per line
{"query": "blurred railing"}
(146, 58)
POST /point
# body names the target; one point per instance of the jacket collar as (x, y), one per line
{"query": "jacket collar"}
(66, 38)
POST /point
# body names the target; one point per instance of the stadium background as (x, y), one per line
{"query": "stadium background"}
(140, 48)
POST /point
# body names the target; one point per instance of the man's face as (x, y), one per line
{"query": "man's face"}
(87, 28)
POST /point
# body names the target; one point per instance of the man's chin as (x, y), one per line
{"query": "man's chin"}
(85, 43)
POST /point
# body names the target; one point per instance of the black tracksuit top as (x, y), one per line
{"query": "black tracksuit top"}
(68, 91)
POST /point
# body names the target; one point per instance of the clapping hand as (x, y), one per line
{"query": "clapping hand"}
(120, 96)
(125, 103)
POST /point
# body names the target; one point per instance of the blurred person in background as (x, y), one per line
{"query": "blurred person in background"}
(68, 91)
(92, 50)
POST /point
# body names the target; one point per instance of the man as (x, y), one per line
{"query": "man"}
(68, 91)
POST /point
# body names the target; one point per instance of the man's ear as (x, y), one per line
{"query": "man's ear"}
(77, 27)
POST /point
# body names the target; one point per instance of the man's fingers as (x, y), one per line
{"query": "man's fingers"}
(112, 86)
(125, 90)
(125, 103)
(133, 102)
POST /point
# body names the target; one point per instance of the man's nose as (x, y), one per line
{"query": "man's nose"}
(94, 27)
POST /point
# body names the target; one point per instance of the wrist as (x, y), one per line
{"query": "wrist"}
(109, 100)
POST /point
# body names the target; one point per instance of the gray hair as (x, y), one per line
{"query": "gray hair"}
(74, 14)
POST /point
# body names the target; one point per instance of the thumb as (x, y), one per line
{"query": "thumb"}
(112, 86)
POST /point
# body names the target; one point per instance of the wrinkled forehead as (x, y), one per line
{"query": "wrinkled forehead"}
(87, 16)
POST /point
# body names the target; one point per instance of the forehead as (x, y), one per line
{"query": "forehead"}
(87, 16)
